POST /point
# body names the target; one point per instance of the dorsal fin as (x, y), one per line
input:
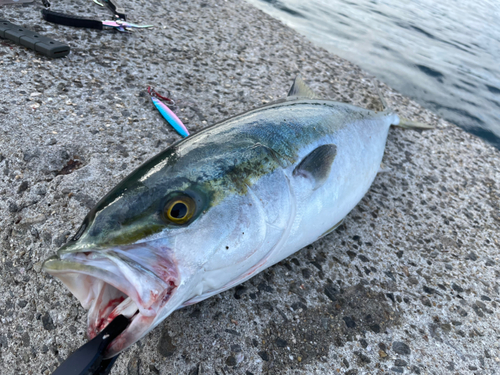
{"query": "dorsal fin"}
(301, 90)
(317, 164)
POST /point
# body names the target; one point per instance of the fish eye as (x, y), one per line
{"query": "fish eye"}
(179, 210)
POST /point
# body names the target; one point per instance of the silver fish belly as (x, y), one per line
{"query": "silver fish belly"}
(218, 207)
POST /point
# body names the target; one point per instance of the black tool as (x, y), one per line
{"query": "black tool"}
(88, 359)
(77, 21)
(70, 20)
(39, 43)
(17, 2)
(65, 19)
(117, 9)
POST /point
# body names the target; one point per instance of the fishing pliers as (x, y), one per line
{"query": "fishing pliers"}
(119, 23)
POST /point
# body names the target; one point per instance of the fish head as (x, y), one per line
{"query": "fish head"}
(178, 228)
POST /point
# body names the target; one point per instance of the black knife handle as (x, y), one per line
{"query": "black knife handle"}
(89, 358)
(39, 43)
(70, 20)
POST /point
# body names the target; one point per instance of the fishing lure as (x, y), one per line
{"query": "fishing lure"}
(167, 113)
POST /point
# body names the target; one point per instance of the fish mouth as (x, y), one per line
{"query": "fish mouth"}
(136, 281)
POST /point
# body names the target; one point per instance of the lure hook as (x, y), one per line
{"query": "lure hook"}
(153, 92)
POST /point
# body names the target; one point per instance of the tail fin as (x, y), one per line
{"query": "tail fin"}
(402, 123)
(408, 124)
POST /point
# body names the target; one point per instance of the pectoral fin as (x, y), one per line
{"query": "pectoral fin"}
(317, 165)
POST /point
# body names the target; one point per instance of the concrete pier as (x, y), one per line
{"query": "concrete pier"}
(408, 285)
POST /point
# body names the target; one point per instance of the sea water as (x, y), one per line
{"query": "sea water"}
(444, 54)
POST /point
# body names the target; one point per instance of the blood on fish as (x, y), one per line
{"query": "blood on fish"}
(164, 268)
(104, 320)
(110, 318)
(168, 293)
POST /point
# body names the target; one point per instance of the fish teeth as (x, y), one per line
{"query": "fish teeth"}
(127, 308)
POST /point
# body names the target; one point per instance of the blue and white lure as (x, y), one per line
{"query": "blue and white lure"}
(167, 113)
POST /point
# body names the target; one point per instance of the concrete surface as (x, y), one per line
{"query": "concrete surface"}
(410, 284)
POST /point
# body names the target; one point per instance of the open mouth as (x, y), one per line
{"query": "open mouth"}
(135, 281)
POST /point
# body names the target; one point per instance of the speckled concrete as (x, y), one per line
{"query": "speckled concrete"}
(410, 283)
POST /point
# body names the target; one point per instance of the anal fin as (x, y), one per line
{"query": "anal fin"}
(332, 228)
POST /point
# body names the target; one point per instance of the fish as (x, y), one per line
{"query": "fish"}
(218, 207)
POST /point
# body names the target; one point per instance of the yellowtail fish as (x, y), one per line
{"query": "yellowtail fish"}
(220, 206)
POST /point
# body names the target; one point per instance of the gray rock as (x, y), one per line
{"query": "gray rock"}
(426, 301)
(349, 322)
(457, 288)
(363, 358)
(165, 346)
(231, 361)
(489, 262)
(413, 280)
(134, 365)
(85, 200)
(60, 240)
(239, 291)
(31, 154)
(153, 369)
(47, 238)
(14, 207)
(401, 348)
(232, 332)
(26, 339)
(263, 355)
(331, 292)
(22, 187)
(48, 324)
(375, 328)
(40, 190)
(428, 290)
(280, 343)
(364, 258)
(4, 342)
(472, 256)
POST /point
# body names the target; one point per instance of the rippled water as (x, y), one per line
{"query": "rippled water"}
(445, 55)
